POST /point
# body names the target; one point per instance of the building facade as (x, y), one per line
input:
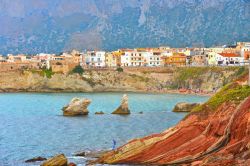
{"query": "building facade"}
(95, 59)
(177, 59)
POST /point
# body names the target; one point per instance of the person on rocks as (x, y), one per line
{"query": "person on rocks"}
(114, 144)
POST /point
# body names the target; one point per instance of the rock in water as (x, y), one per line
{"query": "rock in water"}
(35, 159)
(77, 107)
(99, 113)
(184, 107)
(123, 108)
(59, 160)
(81, 154)
(72, 164)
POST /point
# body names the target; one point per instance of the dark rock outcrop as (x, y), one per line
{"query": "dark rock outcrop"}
(99, 113)
(80, 154)
(59, 160)
(76, 107)
(184, 107)
(35, 159)
(123, 108)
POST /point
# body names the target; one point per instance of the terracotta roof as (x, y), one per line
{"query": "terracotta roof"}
(229, 54)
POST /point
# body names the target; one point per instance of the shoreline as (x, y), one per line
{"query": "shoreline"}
(110, 91)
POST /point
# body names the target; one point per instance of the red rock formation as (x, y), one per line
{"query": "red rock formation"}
(219, 137)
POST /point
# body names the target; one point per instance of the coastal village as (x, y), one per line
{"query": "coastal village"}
(234, 55)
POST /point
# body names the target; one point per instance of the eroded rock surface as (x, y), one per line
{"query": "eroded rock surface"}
(77, 107)
(123, 108)
(59, 160)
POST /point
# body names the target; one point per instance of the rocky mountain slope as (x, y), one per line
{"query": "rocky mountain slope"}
(143, 80)
(29, 26)
(216, 133)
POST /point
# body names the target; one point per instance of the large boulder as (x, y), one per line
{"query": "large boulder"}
(123, 108)
(59, 160)
(77, 107)
(184, 107)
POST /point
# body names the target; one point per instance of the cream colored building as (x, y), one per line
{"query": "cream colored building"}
(110, 60)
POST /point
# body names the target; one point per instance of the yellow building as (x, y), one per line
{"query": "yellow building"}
(110, 59)
(117, 55)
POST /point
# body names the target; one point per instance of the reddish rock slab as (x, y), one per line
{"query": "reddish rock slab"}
(219, 137)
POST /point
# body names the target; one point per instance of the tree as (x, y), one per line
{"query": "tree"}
(78, 69)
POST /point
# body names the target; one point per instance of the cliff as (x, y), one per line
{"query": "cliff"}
(132, 79)
(216, 133)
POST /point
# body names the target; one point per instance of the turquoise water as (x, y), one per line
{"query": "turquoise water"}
(31, 124)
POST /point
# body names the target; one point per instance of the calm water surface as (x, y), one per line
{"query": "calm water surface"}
(31, 124)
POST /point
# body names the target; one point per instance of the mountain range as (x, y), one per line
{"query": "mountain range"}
(34, 26)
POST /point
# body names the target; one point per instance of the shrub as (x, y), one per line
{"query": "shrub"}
(241, 71)
(47, 72)
(78, 69)
(119, 69)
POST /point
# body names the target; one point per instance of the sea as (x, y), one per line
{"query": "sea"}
(32, 124)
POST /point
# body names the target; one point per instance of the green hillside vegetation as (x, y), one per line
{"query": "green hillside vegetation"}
(44, 72)
(232, 92)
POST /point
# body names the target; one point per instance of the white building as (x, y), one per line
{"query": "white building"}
(126, 59)
(225, 59)
(137, 58)
(16, 58)
(95, 59)
(152, 58)
(132, 58)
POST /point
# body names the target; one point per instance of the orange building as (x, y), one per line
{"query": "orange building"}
(247, 55)
(177, 59)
